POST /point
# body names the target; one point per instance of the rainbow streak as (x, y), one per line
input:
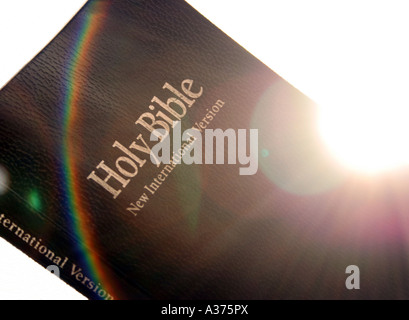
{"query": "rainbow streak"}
(89, 26)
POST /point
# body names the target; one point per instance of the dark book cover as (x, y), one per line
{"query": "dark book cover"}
(79, 189)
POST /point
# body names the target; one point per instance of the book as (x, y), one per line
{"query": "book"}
(82, 193)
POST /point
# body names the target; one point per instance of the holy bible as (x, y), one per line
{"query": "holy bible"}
(146, 155)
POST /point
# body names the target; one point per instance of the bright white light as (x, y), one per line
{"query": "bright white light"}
(350, 56)
(369, 135)
(27, 26)
(24, 279)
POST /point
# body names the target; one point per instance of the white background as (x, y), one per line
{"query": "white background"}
(333, 51)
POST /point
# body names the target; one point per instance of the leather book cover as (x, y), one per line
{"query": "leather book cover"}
(266, 218)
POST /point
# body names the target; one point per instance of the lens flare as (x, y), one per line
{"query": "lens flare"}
(4, 180)
(292, 153)
(34, 200)
(368, 135)
(91, 25)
